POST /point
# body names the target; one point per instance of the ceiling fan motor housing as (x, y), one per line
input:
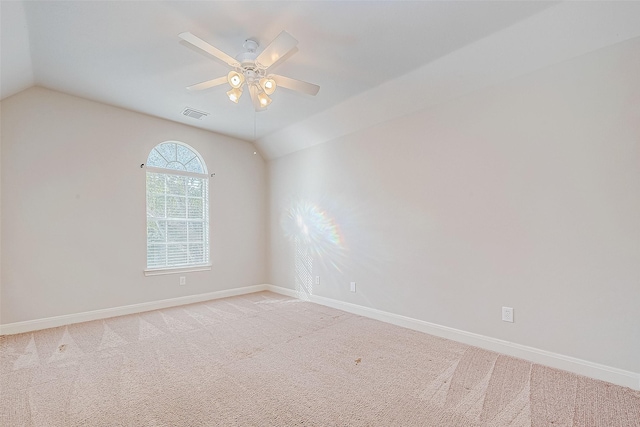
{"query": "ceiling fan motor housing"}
(250, 75)
(247, 61)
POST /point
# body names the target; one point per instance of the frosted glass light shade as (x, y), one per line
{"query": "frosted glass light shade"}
(234, 95)
(264, 99)
(268, 85)
(235, 79)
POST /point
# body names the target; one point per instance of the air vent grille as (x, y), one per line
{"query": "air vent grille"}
(194, 114)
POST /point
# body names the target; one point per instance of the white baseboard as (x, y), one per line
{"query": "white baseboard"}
(535, 355)
(285, 291)
(542, 357)
(68, 319)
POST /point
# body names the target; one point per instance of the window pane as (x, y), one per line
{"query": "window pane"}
(156, 256)
(155, 183)
(195, 186)
(195, 208)
(176, 185)
(177, 231)
(195, 166)
(176, 254)
(156, 231)
(175, 166)
(168, 151)
(155, 206)
(196, 253)
(155, 159)
(185, 155)
(196, 232)
(176, 207)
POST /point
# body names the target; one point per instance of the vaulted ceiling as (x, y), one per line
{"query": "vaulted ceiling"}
(374, 61)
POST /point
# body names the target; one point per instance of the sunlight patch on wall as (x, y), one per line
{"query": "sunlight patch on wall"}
(314, 235)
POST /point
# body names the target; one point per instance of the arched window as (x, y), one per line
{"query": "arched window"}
(177, 208)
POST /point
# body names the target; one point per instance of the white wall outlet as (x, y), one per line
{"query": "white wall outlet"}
(353, 286)
(317, 280)
(507, 314)
(183, 280)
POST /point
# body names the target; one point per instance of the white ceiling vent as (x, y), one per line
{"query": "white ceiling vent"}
(194, 114)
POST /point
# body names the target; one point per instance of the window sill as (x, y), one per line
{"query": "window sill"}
(176, 270)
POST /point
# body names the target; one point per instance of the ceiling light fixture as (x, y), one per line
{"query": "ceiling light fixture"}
(235, 79)
(235, 94)
(251, 69)
(264, 99)
(268, 85)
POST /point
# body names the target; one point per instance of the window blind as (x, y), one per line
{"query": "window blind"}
(177, 210)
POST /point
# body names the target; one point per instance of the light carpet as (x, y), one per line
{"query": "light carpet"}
(267, 360)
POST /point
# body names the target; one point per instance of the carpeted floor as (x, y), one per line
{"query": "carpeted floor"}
(267, 360)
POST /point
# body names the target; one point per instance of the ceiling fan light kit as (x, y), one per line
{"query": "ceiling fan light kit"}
(251, 70)
(235, 79)
(264, 99)
(235, 94)
(268, 85)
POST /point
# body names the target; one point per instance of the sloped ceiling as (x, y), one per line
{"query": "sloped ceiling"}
(373, 60)
(16, 69)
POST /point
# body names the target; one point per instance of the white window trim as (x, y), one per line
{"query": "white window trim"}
(188, 268)
(176, 270)
(176, 172)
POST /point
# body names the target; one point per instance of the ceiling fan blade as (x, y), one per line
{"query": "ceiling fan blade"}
(283, 58)
(208, 83)
(215, 52)
(279, 47)
(297, 85)
(253, 91)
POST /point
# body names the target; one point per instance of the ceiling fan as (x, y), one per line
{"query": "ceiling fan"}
(251, 69)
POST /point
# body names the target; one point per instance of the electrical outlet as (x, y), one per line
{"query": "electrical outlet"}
(353, 286)
(183, 280)
(507, 314)
(317, 280)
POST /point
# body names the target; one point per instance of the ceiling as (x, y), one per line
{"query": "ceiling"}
(373, 60)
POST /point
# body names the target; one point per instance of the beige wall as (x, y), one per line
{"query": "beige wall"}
(1, 299)
(73, 207)
(525, 195)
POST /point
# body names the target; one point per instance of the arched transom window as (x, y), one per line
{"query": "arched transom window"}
(177, 208)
